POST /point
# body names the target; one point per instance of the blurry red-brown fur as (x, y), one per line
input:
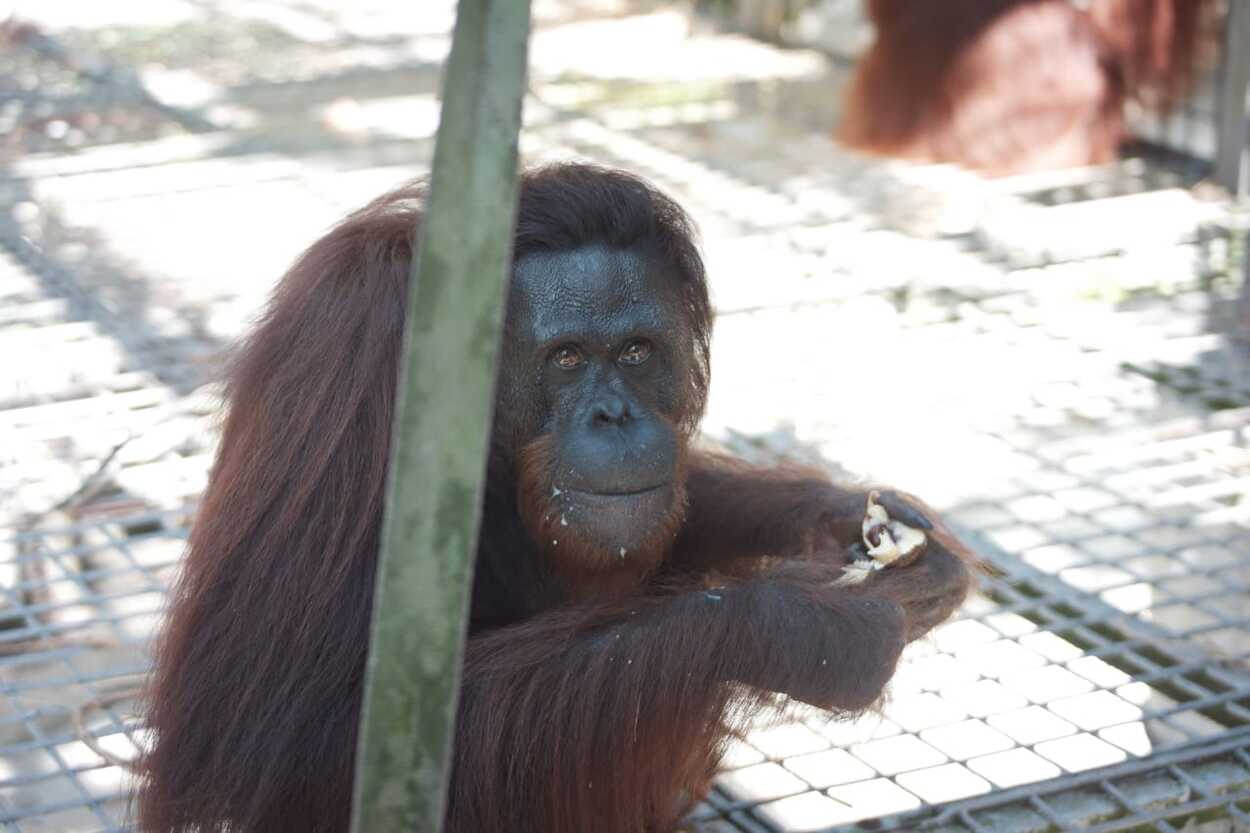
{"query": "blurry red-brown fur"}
(1010, 86)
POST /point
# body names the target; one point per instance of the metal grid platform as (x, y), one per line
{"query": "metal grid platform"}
(1103, 680)
(1123, 703)
(78, 609)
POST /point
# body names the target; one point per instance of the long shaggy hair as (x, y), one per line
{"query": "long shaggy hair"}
(255, 697)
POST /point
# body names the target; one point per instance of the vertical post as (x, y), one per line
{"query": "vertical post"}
(1231, 150)
(1232, 163)
(442, 427)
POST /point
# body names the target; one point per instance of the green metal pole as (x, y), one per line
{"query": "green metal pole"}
(442, 426)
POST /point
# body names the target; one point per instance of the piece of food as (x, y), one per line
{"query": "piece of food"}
(885, 542)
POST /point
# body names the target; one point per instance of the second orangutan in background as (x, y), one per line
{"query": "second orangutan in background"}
(1010, 86)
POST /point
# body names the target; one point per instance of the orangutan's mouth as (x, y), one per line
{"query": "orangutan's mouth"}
(631, 493)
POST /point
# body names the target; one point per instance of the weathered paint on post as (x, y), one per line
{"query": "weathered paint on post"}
(442, 426)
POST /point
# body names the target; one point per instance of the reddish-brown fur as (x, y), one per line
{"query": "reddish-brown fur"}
(1006, 86)
(593, 704)
(583, 568)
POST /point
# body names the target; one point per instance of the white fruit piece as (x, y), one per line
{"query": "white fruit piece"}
(885, 541)
(893, 538)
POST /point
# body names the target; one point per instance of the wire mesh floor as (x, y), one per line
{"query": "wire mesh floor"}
(1085, 426)
(1100, 682)
(1128, 699)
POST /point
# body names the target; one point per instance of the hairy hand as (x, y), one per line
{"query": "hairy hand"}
(930, 585)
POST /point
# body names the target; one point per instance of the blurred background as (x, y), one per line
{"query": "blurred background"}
(1028, 316)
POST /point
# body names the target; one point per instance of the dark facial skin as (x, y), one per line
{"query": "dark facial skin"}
(600, 354)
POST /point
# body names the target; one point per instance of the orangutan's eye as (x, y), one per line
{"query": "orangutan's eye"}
(568, 357)
(636, 352)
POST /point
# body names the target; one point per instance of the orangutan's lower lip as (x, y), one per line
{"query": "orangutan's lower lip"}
(634, 493)
(621, 522)
(608, 506)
